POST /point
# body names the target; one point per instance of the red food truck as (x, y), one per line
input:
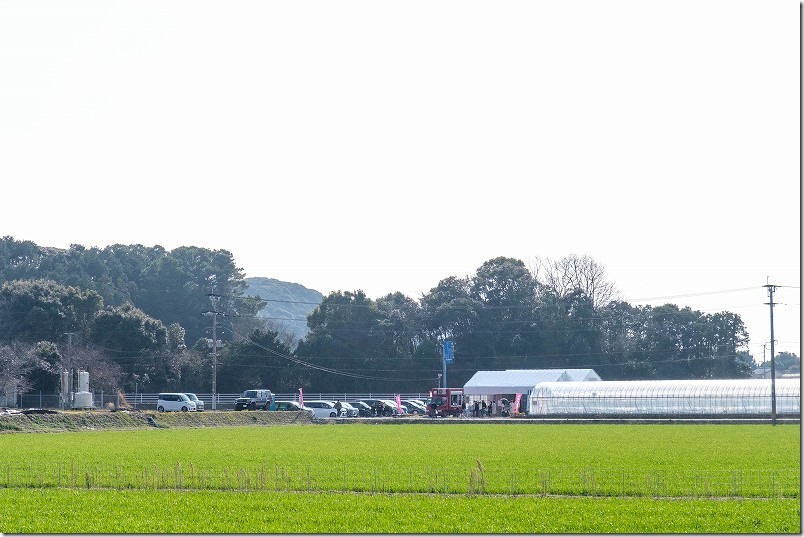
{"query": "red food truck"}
(445, 402)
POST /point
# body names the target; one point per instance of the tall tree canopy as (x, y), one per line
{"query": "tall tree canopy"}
(142, 317)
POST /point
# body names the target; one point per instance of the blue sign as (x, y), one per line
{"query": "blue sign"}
(448, 352)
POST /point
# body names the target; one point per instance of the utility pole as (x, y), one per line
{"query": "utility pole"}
(214, 314)
(68, 394)
(771, 289)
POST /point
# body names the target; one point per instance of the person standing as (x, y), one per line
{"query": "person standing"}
(476, 412)
(483, 408)
(338, 407)
(491, 408)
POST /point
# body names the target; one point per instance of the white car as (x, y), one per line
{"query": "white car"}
(324, 409)
(199, 404)
(174, 402)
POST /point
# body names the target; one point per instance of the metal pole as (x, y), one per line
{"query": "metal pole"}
(771, 289)
(444, 371)
(214, 353)
(69, 394)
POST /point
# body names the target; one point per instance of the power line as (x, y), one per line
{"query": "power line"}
(318, 367)
(693, 294)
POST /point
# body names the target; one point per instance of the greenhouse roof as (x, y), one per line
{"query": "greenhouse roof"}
(667, 388)
(722, 397)
(520, 380)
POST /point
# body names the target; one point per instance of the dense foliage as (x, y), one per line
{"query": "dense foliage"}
(142, 318)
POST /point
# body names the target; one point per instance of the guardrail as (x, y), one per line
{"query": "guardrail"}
(223, 401)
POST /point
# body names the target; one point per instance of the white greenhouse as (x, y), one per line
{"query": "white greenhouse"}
(727, 397)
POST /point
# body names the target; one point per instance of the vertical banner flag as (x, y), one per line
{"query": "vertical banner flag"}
(398, 403)
(516, 403)
(301, 398)
(449, 352)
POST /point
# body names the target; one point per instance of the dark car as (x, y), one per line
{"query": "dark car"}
(380, 407)
(363, 410)
(292, 406)
(254, 399)
(286, 405)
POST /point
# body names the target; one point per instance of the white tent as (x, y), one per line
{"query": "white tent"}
(579, 375)
(511, 381)
(496, 384)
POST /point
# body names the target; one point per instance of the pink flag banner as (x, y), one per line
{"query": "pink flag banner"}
(398, 403)
(516, 403)
(301, 398)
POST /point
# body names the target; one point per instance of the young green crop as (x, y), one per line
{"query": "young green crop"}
(690, 447)
(728, 478)
(79, 511)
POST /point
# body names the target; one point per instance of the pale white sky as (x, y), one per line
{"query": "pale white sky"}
(385, 146)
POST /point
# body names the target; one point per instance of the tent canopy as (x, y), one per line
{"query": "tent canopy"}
(523, 381)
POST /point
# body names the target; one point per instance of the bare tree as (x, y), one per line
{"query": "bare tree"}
(573, 273)
(17, 360)
(105, 374)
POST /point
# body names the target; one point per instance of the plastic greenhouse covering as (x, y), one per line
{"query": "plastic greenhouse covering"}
(736, 397)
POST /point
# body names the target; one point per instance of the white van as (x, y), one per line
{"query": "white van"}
(324, 409)
(174, 402)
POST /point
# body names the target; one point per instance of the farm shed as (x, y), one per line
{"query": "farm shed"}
(496, 385)
(719, 397)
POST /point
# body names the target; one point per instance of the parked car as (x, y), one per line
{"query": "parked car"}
(414, 407)
(375, 405)
(199, 404)
(351, 412)
(254, 399)
(324, 409)
(364, 410)
(291, 406)
(174, 402)
(382, 407)
(395, 410)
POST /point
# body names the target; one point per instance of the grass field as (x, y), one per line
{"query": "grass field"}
(410, 478)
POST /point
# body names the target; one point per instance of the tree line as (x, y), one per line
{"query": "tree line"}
(140, 318)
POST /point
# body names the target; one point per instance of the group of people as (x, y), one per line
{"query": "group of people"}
(479, 409)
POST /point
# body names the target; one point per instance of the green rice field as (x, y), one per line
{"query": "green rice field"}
(411, 478)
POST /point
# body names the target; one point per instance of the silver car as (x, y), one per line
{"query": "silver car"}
(351, 412)
(199, 404)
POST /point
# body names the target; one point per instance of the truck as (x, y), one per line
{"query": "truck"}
(254, 399)
(445, 402)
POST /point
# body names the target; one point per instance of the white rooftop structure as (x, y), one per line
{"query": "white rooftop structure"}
(522, 381)
(579, 375)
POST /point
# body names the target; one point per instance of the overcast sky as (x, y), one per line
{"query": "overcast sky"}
(385, 146)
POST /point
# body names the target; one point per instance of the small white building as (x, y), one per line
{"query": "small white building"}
(493, 386)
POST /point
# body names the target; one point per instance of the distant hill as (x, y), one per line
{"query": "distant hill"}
(288, 303)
